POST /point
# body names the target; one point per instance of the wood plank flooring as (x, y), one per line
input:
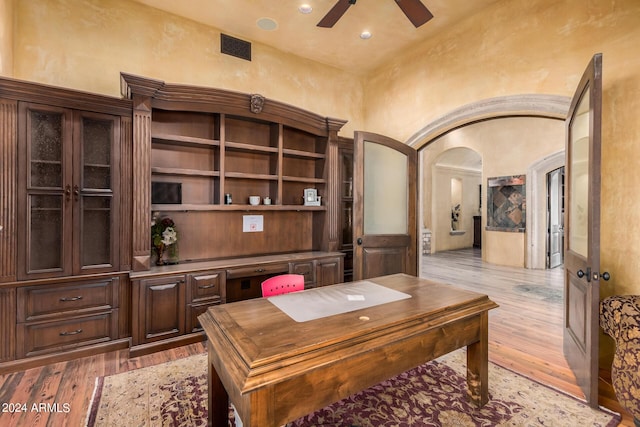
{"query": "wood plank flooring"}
(69, 383)
(525, 332)
(525, 335)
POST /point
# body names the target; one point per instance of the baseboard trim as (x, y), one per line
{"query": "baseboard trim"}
(46, 359)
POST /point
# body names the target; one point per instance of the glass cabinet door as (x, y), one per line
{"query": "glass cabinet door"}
(69, 181)
(48, 188)
(94, 189)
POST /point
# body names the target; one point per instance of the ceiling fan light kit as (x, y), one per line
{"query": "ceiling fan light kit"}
(415, 11)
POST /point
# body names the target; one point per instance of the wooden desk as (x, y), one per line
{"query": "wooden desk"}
(276, 370)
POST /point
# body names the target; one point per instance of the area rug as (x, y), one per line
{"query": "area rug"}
(433, 394)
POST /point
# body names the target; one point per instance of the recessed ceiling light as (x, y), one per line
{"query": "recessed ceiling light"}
(305, 8)
(267, 24)
(365, 35)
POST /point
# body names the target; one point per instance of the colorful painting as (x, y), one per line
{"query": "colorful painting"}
(506, 203)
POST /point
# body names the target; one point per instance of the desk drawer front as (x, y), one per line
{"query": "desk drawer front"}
(258, 270)
(46, 337)
(46, 301)
(205, 286)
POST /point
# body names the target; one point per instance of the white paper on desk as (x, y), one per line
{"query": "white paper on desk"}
(312, 304)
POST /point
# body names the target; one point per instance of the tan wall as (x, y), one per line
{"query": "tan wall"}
(85, 44)
(541, 46)
(6, 37)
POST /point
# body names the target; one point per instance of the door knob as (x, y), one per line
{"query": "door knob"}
(580, 273)
(359, 241)
(605, 275)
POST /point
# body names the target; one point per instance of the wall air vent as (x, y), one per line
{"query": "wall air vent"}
(235, 47)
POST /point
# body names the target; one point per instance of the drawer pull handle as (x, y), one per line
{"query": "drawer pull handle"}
(67, 299)
(207, 286)
(76, 332)
(259, 270)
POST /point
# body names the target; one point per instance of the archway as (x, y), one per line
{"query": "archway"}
(454, 127)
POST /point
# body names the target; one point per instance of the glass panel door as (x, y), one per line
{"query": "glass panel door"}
(97, 141)
(45, 232)
(45, 149)
(579, 178)
(48, 176)
(385, 196)
(96, 223)
(94, 191)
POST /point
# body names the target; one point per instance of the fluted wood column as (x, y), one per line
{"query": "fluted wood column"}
(8, 191)
(141, 204)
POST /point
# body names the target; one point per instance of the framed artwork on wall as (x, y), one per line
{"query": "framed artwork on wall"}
(506, 203)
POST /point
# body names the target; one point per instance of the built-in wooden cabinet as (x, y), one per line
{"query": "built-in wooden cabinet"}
(65, 223)
(81, 175)
(68, 191)
(160, 310)
(329, 271)
(169, 299)
(66, 315)
(204, 289)
(210, 145)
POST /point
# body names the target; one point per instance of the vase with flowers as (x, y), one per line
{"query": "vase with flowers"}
(164, 236)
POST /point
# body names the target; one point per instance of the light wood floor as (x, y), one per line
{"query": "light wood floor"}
(525, 332)
(525, 336)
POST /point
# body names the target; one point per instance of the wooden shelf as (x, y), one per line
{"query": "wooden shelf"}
(303, 179)
(234, 207)
(257, 176)
(183, 172)
(183, 140)
(302, 154)
(229, 145)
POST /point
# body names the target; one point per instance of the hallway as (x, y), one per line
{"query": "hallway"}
(525, 332)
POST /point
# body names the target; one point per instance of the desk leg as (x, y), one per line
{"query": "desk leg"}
(218, 398)
(478, 364)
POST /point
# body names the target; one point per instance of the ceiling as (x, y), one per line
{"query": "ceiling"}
(340, 46)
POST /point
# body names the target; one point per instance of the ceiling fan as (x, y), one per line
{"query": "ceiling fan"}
(417, 12)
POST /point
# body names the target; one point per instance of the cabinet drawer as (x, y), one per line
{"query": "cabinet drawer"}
(205, 286)
(258, 270)
(46, 337)
(193, 311)
(47, 301)
(307, 269)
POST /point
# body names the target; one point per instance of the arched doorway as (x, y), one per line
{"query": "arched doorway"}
(456, 176)
(513, 135)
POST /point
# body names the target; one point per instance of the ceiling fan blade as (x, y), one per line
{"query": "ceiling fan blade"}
(335, 13)
(417, 12)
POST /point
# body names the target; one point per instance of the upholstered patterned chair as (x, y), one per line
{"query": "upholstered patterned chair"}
(620, 318)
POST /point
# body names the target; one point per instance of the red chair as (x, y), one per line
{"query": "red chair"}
(282, 284)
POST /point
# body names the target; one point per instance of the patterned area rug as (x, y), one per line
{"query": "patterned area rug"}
(433, 394)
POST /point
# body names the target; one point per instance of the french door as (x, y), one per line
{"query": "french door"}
(582, 226)
(385, 200)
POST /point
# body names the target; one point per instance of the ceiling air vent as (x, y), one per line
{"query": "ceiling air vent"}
(235, 47)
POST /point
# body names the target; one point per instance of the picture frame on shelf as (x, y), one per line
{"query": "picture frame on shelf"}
(311, 197)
